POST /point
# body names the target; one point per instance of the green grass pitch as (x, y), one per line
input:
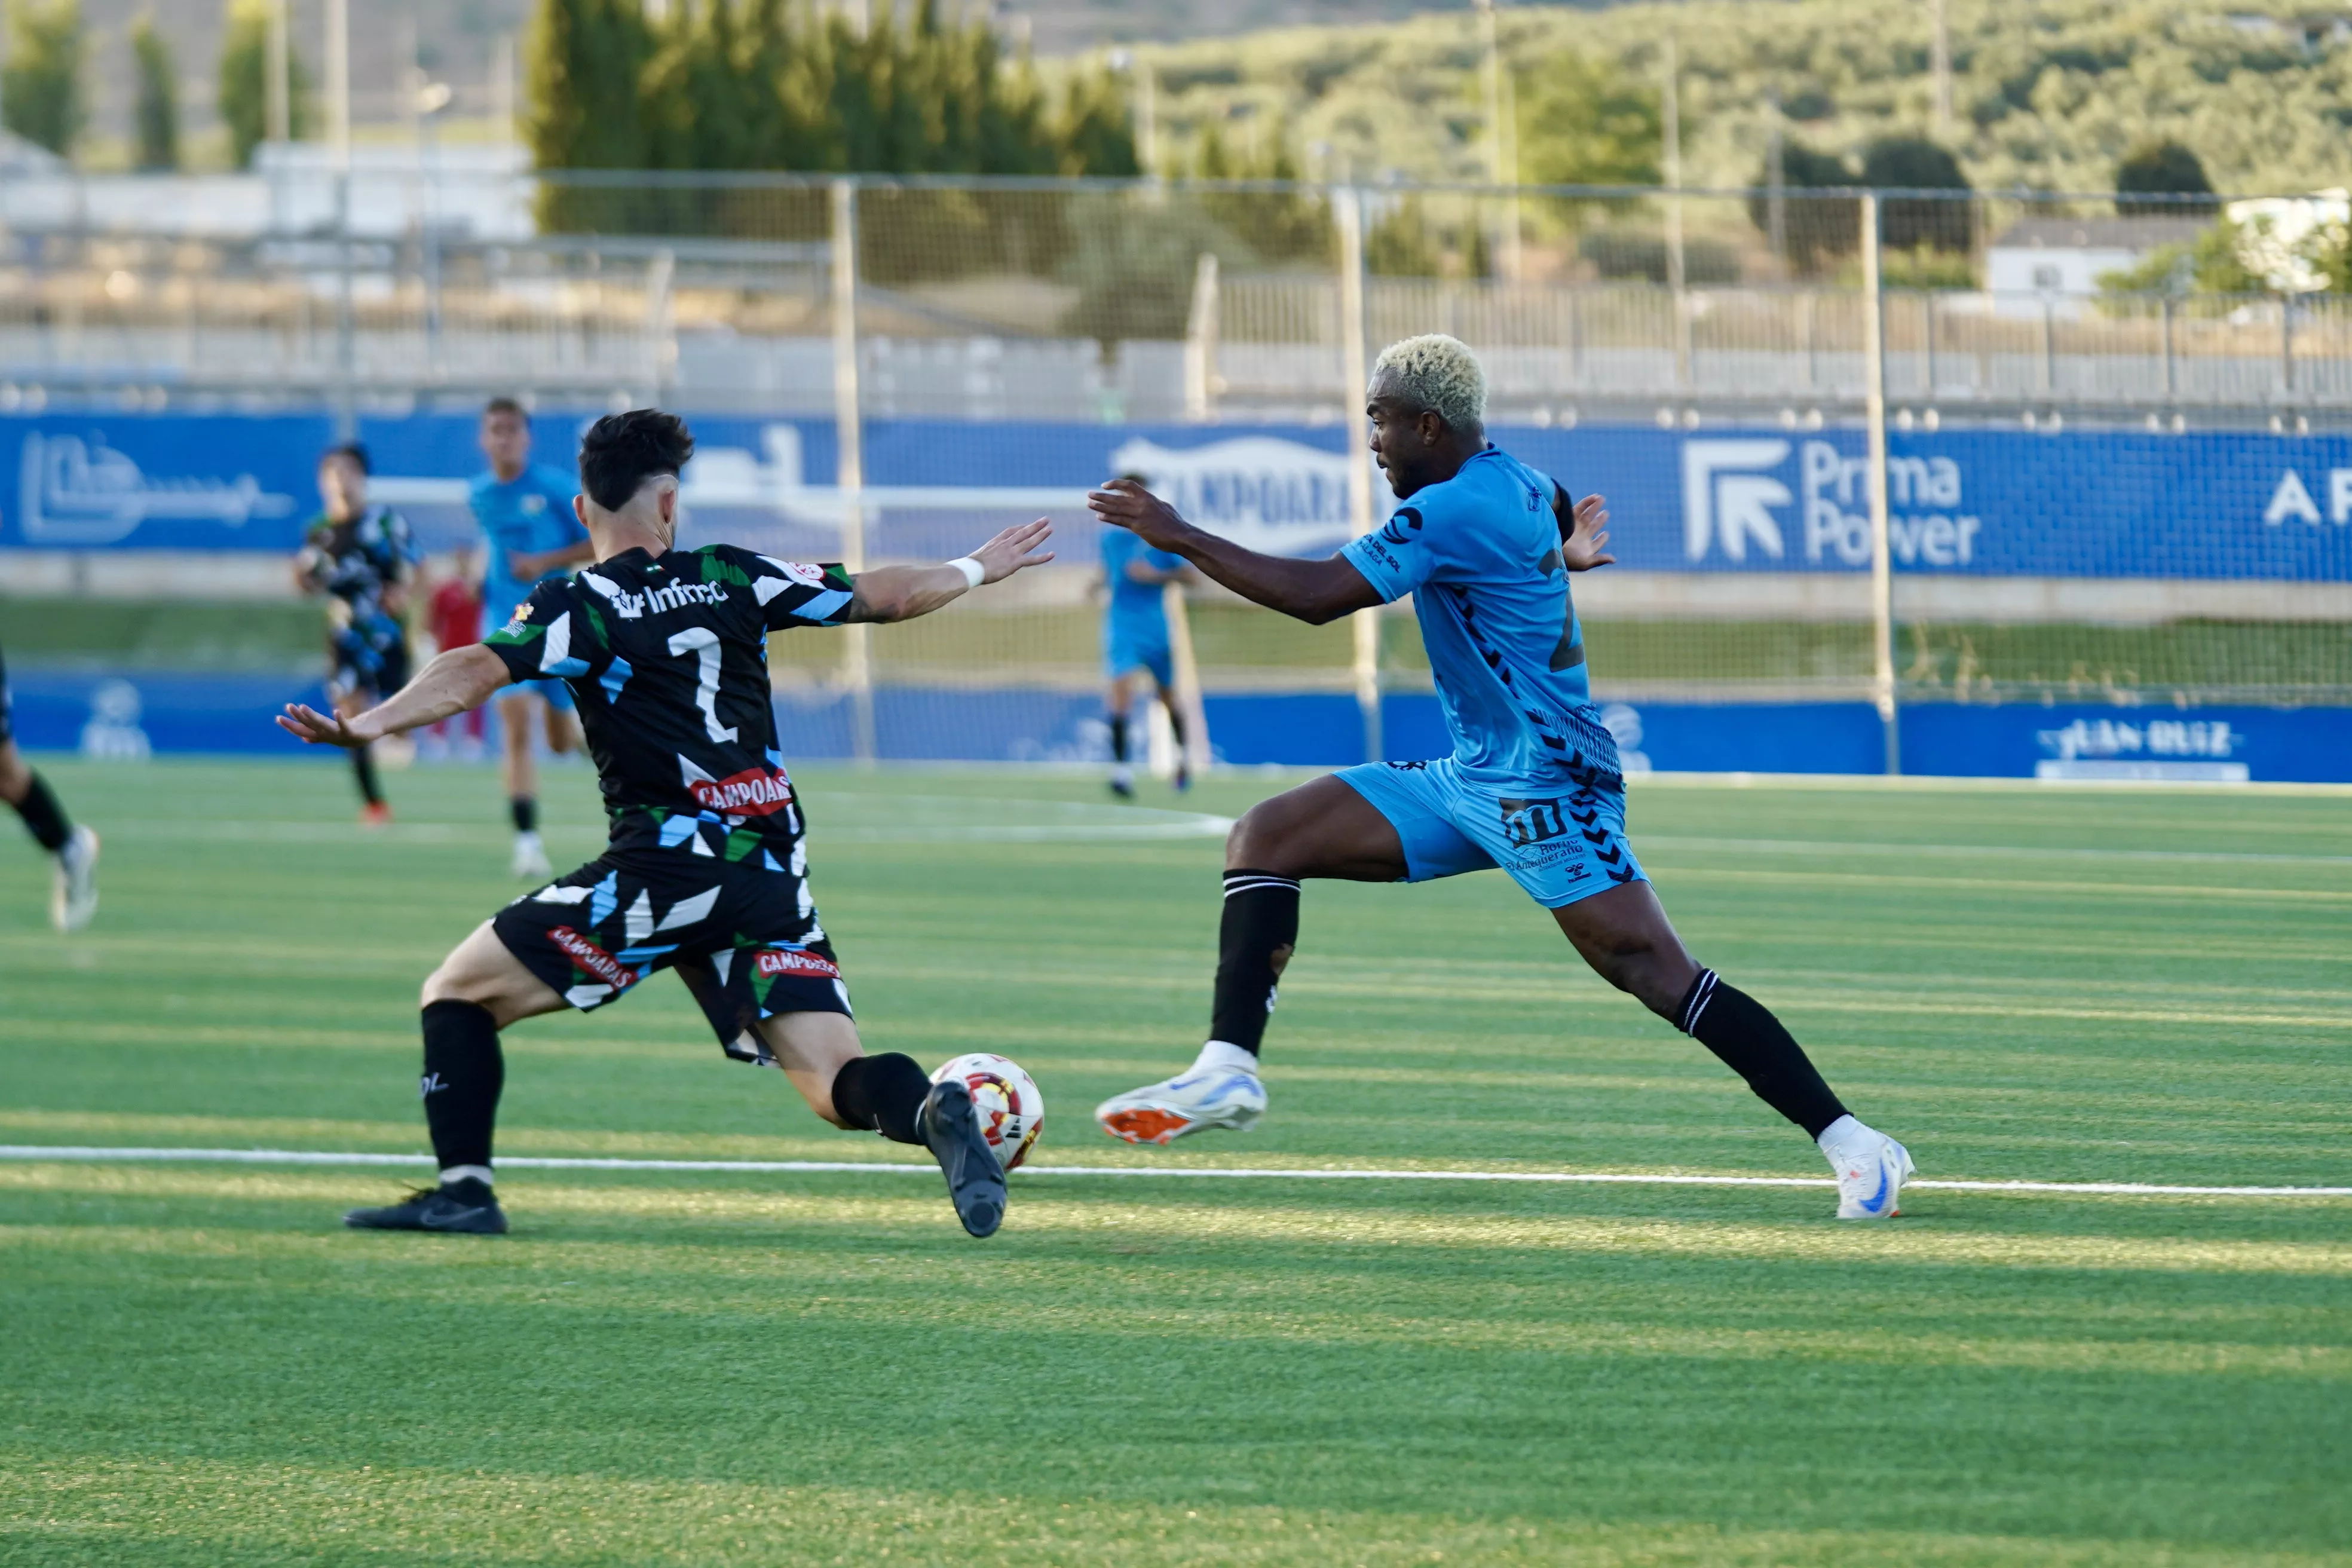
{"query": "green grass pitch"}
(197, 1366)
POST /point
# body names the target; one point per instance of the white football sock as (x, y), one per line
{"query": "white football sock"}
(1218, 1057)
(1843, 1136)
(451, 1174)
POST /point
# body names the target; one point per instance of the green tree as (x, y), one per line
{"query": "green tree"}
(1915, 163)
(40, 85)
(1813, 226)
(157, 112)
(244, 78)
(587, 62)
(2212, 263)
(1583, 123)
(1400, 244)
(1094, 133)
(2164, 168)
(1279, 225)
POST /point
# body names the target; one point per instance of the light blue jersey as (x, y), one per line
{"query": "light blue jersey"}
(1480, 554)
(1134, 618)
(527, 515)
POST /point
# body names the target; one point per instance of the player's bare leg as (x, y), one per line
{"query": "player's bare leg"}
(521, 714)
(349, 703)
(1118, 703)
(1184, 780)
(1320, 829)
(73, 897)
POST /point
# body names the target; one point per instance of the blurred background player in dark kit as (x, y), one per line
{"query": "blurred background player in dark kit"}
(73, 894)
(360, 557)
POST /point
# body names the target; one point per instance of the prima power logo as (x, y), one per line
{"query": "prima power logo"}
(1739, 506)
(1729, 494)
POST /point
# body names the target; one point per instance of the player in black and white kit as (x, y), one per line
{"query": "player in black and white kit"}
(665, 651)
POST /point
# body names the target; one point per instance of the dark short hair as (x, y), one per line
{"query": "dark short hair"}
(351, 449)
(507, 405)
(622, 451)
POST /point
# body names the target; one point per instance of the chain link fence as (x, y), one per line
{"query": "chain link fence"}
(964, 336)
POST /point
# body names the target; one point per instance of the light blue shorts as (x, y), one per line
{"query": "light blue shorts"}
(1123, 652)
(1561, 847)
(557, 695)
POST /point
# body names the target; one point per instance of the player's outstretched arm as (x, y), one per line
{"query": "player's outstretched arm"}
(902, 592)
(1311, 591)
(460, 678)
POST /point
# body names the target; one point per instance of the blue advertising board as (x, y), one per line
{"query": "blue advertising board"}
(1985, 503)
(136, 714)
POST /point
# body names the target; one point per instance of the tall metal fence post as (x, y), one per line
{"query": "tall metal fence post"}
(849, 445)
(661, 321)
(2287, 342)
(2165, 303)
(1677, 275)
(1347, 209)
(1882, 566)
(1201, 341)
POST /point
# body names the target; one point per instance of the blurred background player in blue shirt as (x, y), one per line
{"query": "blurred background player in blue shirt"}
(1136, 643)
(528, 534)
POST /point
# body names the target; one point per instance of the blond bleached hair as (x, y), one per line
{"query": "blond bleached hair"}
(1439, 374)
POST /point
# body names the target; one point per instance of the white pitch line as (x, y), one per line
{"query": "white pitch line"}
(94, 1153)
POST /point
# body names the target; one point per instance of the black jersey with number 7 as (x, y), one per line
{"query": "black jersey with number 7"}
(667, 659)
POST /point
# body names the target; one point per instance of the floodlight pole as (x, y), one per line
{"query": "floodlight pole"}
(1348, 210)
(1670, 116)
(1939, 56)
(1882, 566)
(849, 462)
(278, 115)
(1502, 136)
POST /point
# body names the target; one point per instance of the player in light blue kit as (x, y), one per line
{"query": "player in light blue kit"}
(528, 534)
(1135, 642)
(1485, 545)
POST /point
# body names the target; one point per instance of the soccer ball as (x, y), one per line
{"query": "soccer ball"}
(1011, 1110)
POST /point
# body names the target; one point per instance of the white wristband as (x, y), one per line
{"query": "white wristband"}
(972, 570)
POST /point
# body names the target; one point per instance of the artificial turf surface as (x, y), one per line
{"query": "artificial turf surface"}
(199, 1367)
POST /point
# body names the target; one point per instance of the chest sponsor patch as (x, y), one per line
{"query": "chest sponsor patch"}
(776, 961)
(591, 959)
(754, 792)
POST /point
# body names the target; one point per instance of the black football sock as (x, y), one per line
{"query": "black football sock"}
(1752, 1043)
(526, 813)
(364, 766)
(464, 1071)
(882, 1094)
(1176, 727)
(1118, 737)
(1253, 943)
(45, 819)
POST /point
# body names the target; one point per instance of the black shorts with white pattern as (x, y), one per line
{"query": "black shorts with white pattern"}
(741, 932)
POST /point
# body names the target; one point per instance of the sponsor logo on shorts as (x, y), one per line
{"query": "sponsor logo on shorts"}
(755, 792)
(1528, 823)
(775, 961)
(591, 959)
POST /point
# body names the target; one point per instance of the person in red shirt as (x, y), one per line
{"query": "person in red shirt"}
(455, 612)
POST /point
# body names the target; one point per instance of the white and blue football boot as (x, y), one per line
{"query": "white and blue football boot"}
(1870, 1170)
(1220, 1089)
